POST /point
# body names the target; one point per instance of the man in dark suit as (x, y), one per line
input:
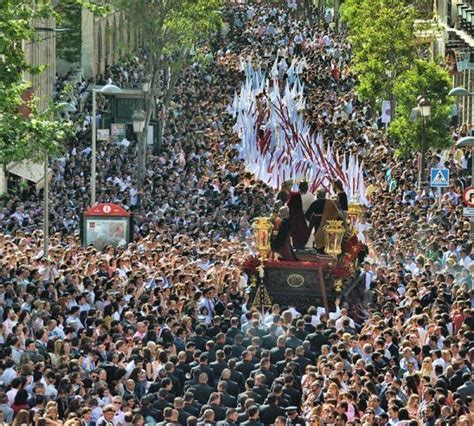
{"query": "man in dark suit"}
(168, 417)
(232, 387)
(170, 372)
(215, 403)
(208, 418)
(253, 417)
(301, 360)
(234, 329)
(265, 370)
(249, 393)
(161, 403)
(260, 387)
(270, 411)
(245, 366)
(301, 333)
(202, 391)
(288, 357)
(232, 416)
(190, 350)
(278, 354)
(290, 390)
(219, 364)
(390, 345)
(227, 400)
(291, 340)
(191, 406)
(204, 368)
(317, 339)
(182, 414)
(210, 351)
(237, 347)
(149, 413)
(282, 399)
(269, 341)
(467, 389)
(214, 327)
(199, 339)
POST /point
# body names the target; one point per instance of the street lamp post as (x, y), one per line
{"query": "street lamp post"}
(138, 120)
(108, 89)
(63, 107)
(424, 107)
(46, 207)
(460, 92)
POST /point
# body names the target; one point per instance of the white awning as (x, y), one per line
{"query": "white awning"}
(32, 172)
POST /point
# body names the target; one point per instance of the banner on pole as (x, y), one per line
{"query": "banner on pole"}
(461, 62)
(103, 134)
(117, 131)
(386, 112)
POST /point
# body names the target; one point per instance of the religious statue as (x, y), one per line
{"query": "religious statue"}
(320, 211)
(285, 191)
(280, 242)
(298, 204)
(303, 217)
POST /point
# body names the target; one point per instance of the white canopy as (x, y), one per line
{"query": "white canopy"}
(33, 172)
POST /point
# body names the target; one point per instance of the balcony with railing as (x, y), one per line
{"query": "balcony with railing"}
(465, 17)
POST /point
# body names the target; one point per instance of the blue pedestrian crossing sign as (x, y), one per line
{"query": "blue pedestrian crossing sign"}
(439, 178)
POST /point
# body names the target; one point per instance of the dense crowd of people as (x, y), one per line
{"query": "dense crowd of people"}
(163, 331)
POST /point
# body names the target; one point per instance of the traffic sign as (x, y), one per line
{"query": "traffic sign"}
(468, 211)
(439, 178)
(469, 196)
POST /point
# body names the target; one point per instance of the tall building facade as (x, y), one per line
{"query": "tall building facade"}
(41, 52)
(456, 18)
(104, 40)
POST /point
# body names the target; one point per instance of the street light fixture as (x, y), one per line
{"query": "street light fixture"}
(138, 119)
(146, 83)
(460, 91)
(424, 108)
(108, 89)
(466, 142)
(67, 107)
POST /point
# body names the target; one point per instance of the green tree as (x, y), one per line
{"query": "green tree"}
(68, 46)
(382, 36)
(41, 133)
(170, 31)
(428, 79)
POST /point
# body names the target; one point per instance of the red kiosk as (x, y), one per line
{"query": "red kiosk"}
(106, 224)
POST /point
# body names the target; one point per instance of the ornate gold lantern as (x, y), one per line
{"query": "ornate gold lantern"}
(262, 233)
(333, 233)
(355, 212)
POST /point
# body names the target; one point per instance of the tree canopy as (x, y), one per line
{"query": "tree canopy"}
(428, 79)
(382, 34)
(22, 138)
(170, 30)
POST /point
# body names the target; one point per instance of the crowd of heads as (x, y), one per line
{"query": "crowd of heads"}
(163, 329)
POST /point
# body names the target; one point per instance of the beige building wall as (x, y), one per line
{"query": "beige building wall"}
(42, 52)
(104, 41)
